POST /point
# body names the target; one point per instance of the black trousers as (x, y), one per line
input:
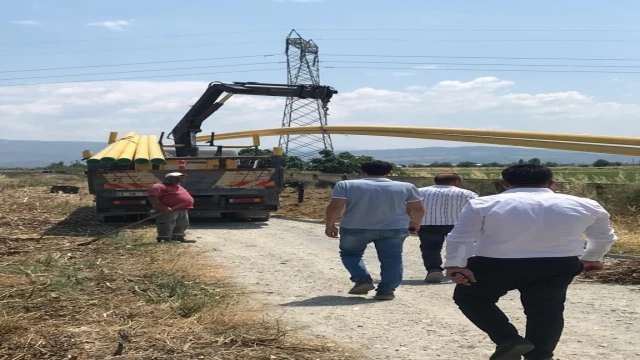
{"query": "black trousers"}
(431, 241)
(542, 283)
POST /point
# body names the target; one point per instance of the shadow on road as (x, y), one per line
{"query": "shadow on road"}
(420, 282)
(223, 224)
(307, 221)
(330, 300)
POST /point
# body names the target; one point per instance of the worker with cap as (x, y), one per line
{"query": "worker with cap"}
(173, 201)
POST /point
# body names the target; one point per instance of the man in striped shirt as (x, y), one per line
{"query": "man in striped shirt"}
(442, 203)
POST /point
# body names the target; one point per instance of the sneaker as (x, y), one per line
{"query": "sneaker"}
(384, 295)
(434, 277)
(362, 288)
(512, 350)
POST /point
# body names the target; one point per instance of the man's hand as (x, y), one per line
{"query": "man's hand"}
(414, 226)
(166, 210)
(592, 266)
(331, 231)
(461, 276)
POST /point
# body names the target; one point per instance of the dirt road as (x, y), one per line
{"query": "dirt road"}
(296, 273)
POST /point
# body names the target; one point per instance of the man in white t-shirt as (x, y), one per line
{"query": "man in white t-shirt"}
(442, 203)
(529, 239)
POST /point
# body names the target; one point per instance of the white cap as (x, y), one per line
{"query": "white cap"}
(174, 174)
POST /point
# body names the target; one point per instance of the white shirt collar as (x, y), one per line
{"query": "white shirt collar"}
(527, 189)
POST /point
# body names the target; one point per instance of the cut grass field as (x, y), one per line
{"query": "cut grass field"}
(615, 175)
(126, 296)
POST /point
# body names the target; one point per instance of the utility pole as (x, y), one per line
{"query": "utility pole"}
(303, 67)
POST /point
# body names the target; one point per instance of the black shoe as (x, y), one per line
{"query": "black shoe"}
(362, 288)
(434, 277)
(384, 295)
(512, 350)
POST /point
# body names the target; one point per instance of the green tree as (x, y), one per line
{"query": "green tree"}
(534, 161)
(444, 164)
(602, 163)
(552, 164)
(288, 162)
(521, 162)
(493, 164)
(466, 164)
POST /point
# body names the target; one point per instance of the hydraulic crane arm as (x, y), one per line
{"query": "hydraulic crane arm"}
(184, 133)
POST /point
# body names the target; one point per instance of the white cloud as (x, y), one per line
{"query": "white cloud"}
(89, 111)
(116, 25)
(25, 22)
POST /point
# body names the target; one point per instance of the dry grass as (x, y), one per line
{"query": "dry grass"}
(127, 296)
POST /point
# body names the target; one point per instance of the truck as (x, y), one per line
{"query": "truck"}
(223, 183)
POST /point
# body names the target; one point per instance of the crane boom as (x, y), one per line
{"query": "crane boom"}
(184, 133)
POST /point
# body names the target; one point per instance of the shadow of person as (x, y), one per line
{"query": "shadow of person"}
(330, 300)
(419, 282)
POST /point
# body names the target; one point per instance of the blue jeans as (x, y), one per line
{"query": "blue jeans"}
(388, 243)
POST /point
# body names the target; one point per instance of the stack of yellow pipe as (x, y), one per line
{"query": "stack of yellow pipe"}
(620, 145)
(140, 149)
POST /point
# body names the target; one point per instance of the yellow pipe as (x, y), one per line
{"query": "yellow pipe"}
(129, 151)
(142, 151)
(95, 159)
(117, 149)
(601, 149)
(417, 133)
(619, 140)
(113, 136)
(155, 152)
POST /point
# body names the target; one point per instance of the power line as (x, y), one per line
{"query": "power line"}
(143, 48)
(320, 29)
(477, 40)
(139, 71)
(139, 63)
(354, 55)
(481, 57)
(480, 64)
(144, 77)
(328, 61)
(322, 39)
(485, 70)
(141, 37)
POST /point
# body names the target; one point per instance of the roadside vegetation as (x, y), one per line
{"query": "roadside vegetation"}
(126, 296)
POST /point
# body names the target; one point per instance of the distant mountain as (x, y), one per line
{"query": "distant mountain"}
(486, 154)
(31, 153)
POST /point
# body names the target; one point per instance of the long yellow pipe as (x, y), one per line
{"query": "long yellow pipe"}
(156, 156)
(142, 151)
(417, 133)
(118, 148)
(618, 140)
(129, 151)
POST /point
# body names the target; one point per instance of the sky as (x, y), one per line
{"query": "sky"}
(76, 70)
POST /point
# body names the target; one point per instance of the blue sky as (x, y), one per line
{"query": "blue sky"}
(35, 35)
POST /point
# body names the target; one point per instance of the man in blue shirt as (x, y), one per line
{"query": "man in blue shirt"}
(376, 210)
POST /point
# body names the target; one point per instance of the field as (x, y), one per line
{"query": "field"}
(614, 175)
(130, 296)
(126, 296)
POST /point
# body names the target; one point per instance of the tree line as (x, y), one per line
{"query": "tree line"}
(329, 162)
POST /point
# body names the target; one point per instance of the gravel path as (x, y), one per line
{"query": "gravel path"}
(296, 273)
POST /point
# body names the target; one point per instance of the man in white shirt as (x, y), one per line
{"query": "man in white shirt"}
(527, 238)
(442, 203)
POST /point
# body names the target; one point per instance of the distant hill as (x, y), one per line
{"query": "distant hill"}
(31, 153)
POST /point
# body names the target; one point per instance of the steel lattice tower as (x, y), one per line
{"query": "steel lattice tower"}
(303, 67)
